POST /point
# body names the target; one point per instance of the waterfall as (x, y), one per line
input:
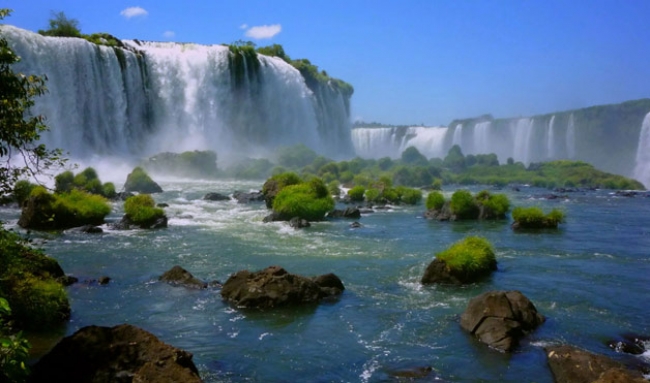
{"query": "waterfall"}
(571, 138)
(482, 138)
(522, 131)
(458, 136)
(154, 97)
(642, 167)
(427, 140)
(550, 139)
(375, 142)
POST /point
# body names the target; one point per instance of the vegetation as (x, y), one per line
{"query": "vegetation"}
(141, 210)
(87, 181)
(20, 130)
(307, 200)
(28, 282)
(463, 205)
(470, 256)
(139, 181)
(356, 193)
(46, 211)
(62, 26)
(22, 190)
(14, 349)
(534, 218)
(435, 201)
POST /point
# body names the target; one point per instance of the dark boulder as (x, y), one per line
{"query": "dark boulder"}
(275, 287)
(122, 353)
(139, 181)
(273, 217)
(355, 225)
(500, 318)
(179, 276)
(104, 280)
(216, 197)
(573, 365)
(442, 214)
(242, 197)
(350, 212)
(629, 343)
(127, 224)
(89, 229)
(298, 223)
(438, 272)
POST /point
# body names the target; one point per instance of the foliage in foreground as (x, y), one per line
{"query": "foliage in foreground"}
(87, 181)
(308, 200)
(14, 349)
(534, 218)
(141, 209)
(28, 282)
(472, 255)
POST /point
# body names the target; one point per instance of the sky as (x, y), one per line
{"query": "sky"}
(411, 62)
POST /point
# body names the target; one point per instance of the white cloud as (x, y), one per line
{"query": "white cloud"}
(264, 31)
(169, 34)
(243, 26)
(134, 12)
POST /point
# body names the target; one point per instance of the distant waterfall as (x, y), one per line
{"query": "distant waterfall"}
(157, 97)
(571, 138)
(522, 130)
(482, 137)
(458, 135)
(550, 139)
(642, 168)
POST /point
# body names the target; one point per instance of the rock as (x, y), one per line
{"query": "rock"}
(104, 280)
(411, 373)
(438, 272)
(298, 223)
(127, 224)
(275, 287)
(90, 229)
(350, 212)
(216, 197)
(123, 196)
(122, 353)
(573, 365)
(629, 344)
(355, 225)
(500, 318)
(273, 217)
(67, 280)
(242, 197)
(179, 276)
(443, 214)
(39, 213)
(139, 181)
(162, 205)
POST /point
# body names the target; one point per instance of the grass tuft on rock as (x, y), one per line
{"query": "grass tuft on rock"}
(141, 209)
(470, 256)
(534, 218)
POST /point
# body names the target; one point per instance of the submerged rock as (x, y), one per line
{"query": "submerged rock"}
(122, 353)
(127, 224)
(572, 365)
(500, 318)
(89, 229)
(628, 343)
(350, 212)
(242, 197)
(216, 197)
(275, 287)
(179, 276)
(298, 223)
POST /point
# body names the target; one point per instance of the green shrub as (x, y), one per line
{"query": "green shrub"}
(499, 204)
(108, 190)
(40, 301)
(463, 205)
(334, 188)
(304, 200)
(436, 184)
(373, 195)
(14, 349)
(470, 256)
(141, 209)
(390, 195)
(45, 211)
(84, 207)
(356, 193)
(411, 196)
(64, 182)
(22, 189)
(534, 218)
(139, 181)
(435, 201)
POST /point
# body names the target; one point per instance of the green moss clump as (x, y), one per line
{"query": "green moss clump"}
(409, 196)
(470, 256)
(310, 200)
(493, 205)
(139, 181)
(141, 210)
(45, 211)
(463, 205)
(28, 280)
(87, 181)
(435, 201)
(356, 193)
(534, 218)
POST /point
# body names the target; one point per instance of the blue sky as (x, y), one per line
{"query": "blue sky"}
(411, 62)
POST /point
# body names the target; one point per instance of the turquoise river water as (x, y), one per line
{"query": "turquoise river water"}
(590, 278)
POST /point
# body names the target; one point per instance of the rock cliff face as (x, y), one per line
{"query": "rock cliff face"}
(122, 353)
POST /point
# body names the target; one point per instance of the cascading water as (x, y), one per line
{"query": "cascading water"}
(550, 139)
(155, 97)
(482, 137)
(571, 138)
(458, 135)
(642, 168)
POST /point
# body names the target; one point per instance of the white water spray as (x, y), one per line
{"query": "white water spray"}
(642, 168)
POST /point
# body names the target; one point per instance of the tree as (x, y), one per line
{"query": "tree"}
(62, 26)
(20, 152)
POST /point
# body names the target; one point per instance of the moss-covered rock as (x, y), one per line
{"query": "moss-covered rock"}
(30, 281)
(141, 212)
(273, 185)
(534, 218)
(466, 261)
(309, 200)
(139, 181)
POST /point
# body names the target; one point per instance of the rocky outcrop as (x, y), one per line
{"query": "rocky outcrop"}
(139, 181)
(298, 223)
(275, 287)
(350, 212)
(88, 229)
(179, 276)
(127, 224)
(573, 365)
(500, 318)
(122, 353)
(442, 214)
(216, 197)
(438, 272)
(242, 197)
(629, 343)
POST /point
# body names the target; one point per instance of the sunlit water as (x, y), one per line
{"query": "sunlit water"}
(590, 279)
